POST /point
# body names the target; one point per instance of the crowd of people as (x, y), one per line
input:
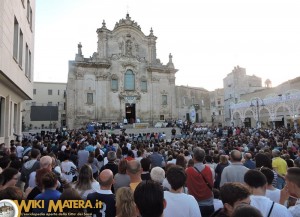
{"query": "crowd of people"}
(204, 172)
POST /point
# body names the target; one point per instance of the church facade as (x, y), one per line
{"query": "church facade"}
(124, 79)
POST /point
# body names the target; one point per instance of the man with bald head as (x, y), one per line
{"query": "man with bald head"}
(134, 170)
(45, 162)
(105, 195)
(235, 172)
(249, 163)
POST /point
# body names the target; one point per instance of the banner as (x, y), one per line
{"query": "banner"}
(14, 208)
(192, 113)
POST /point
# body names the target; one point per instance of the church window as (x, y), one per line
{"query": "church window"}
(114, 84)
(129, 83)
(89, 98)
(144, 85)
(164, 100)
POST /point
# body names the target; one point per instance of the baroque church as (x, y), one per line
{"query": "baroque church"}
(124, 79)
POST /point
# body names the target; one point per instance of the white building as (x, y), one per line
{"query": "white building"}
(47, 108)
(235, 84)
(17, 18)
(270, 107)
(124, 79)
(198, 97)
(217, 106)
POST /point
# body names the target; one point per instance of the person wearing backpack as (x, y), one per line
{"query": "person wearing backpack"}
(30, 166)
(200, 182)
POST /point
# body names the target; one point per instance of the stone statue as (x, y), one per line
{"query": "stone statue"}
(79, 48)
(128, 48)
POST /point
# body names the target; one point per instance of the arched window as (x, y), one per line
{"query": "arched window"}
(129, 83)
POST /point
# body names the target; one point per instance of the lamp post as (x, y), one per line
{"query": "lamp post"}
(257, 102)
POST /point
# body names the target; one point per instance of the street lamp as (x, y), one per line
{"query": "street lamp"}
(257, 102)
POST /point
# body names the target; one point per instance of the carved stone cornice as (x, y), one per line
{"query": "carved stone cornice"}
(160, 69)
(102, 77)
(114, 76)
(128, 58)
(79, 74)
(127, 22)
(124, 94)
(155, 69)
(155, 79)
(129, 64)
(89, 64)
(163, 92)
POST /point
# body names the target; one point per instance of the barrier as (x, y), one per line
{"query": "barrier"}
(140, 125)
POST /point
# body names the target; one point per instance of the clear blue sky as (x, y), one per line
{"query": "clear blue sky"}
(206, 38)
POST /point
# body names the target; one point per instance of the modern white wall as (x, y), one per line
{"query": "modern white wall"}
(16, 71)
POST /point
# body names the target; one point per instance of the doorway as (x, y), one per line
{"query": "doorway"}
(130, 112)
(247, 122)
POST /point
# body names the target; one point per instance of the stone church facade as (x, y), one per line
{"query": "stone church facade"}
(123, 79)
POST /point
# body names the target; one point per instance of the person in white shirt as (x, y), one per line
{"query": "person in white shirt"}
(272, 192)
(292, 189)
(218, 204)
(257, 183)
(19, 150)
(139, 156)
(68, 168)
(179, 204)
(128, 145)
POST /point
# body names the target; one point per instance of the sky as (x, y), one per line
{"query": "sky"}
(207, 38)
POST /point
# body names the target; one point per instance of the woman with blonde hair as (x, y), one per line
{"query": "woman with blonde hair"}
(219, 169)
(125, 205)
(86, 184)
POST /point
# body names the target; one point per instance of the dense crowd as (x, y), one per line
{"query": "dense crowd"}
(201, 171)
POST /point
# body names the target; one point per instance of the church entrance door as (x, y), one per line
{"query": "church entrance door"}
(130, 112)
